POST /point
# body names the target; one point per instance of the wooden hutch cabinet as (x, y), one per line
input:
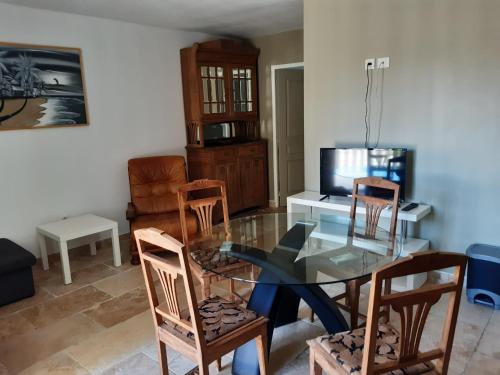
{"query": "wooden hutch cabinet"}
(219, 81)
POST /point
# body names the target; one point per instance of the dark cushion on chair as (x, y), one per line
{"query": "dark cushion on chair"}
(218, 317)
(13, 257)
(210, 259)
(347, 349)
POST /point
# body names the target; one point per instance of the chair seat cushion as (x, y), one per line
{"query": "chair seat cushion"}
(168, 222)
(210, 259)
(347, 349)
(13, 257)
(218, 317)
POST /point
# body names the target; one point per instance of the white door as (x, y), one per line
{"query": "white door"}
(290, 132)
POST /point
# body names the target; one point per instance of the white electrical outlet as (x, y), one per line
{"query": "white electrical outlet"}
(383, 63)
(369, 64)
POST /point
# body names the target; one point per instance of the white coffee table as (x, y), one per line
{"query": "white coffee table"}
(76, 227)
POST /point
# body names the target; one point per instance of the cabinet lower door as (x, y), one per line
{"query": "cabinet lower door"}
(253, 175)
(228, 172)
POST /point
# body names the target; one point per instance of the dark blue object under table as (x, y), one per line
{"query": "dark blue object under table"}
(296, 254)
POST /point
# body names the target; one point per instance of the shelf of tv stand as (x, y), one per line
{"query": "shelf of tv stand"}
(307, 200)
(343, 204)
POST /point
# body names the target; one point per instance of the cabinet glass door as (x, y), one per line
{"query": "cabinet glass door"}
(214, 95)
(242, 79)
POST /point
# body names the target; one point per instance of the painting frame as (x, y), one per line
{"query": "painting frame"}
(45, 47)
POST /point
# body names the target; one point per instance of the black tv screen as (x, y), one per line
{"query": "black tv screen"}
(340, 166)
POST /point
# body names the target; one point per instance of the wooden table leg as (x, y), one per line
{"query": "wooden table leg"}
(280, 305)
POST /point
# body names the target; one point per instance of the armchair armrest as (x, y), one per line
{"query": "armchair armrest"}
(131, 214)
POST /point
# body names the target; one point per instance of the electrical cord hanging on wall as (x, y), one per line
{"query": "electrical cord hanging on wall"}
(367, 123)
(381, 107)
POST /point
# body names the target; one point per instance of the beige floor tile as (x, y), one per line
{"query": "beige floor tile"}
(494, 323)
(80, 257)
(483, 365)
(125, 251)
(297, 366)
(3, 370)
(113, 345)
(41, 295)
(122, 282)
(466, 338)
(40, 275)
(52, 310)
(125, 266)
(226, 361)
(22, 351)
(59, 363)
(289, 341)
(80, 278)
(14, 324)
(468, 312)
(136, 364)
(180, 365)
(119, 309)
(490, 344)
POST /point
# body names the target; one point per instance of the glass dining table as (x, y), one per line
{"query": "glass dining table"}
(293, 255)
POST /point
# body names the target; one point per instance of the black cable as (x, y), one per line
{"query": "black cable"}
(381, 110)
(367, 128)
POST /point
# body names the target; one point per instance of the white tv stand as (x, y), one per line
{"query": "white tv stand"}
(307, 201)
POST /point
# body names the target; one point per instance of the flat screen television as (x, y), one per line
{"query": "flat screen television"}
(340, 166)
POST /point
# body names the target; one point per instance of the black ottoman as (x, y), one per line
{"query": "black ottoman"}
(16, 278)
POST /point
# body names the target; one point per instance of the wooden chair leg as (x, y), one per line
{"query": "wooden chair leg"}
(353, 297)
(205, 287)
(314, 367)
(203, 369)
(231, 291)
(261, 342)
(311, 316)
(162, 357)
(218, 364)
(386, 314)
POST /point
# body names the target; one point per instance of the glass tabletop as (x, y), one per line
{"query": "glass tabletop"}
(294, 249)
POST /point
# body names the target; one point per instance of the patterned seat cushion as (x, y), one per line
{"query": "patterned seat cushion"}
(218, 317)
(347, 349)
(212, 258)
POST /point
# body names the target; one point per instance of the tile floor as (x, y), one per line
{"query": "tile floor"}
(101, 324)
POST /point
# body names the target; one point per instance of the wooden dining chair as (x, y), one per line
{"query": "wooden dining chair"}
(380, 348)
(374, 207)
(212, 259)
(204, 331)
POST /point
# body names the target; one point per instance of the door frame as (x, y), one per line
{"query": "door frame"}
(274, 68)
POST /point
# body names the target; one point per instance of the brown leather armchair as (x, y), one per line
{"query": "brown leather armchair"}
(153, 189)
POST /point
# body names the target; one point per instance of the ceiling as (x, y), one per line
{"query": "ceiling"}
(245, 18)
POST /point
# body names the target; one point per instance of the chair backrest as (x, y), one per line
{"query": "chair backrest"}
(168, 272)
(413, 308)
(375, 205)
(203, 206)
(154, 182)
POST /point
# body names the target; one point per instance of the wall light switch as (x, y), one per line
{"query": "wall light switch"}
(369, 64)
(383, 63)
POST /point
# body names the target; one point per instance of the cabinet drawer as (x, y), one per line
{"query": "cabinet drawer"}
(253, 150)
(227, 154)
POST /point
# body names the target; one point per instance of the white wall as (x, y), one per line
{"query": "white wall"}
(135, 107)
(442, 100)
(282, 48)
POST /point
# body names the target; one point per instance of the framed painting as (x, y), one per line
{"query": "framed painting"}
(41, 87)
